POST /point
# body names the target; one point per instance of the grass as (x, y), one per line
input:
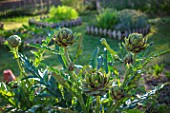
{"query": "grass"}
(15, 22)
(160, 35)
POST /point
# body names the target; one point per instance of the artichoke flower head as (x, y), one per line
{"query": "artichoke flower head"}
(117, 92)
(96, 83)
(136, 43)
(64, 37)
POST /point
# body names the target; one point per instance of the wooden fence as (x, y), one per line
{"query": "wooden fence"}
(70, 23)
(25, 6)
(115, 34)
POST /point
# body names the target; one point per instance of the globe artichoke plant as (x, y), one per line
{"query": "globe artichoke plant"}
(96, 83)
(64, 37)
(136, 43)
(102, 88)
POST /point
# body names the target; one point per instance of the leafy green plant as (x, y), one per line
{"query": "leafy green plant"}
(121, 20)
(79, 5)
(152, 7)
(158, 69)
(62, 13)
(107, 19)
(74, 88)
(131, 19)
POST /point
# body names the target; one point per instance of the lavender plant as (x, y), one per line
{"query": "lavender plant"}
(94, 88)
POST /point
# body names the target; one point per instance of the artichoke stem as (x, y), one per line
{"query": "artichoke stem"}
(115, 107)
(66, 54)
(79, 96)
(97, 104)
(134, 57)
(15, 52)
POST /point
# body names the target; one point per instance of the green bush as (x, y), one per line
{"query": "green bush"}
(121, 20)
(62, 13)
(130, 19)
(152, 7)
(79, 5)
(107, 18)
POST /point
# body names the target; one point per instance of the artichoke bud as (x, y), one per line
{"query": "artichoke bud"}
(14, 41)
(71, 67)
(128, 59)
(117, 93)
(96, 83)
(64, 36)
(135, 43)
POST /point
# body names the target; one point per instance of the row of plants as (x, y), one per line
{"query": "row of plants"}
(97, 87)
(121, 20)
(152, 7)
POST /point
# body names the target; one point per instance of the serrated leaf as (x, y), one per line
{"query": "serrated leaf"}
(93, 61)
(99, 62)
(79, 48)
(105, 60)
(38, 46)
(129, 104)
(31, 77)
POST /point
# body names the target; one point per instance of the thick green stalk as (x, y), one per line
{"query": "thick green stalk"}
(126, 76)
(79, 96)
(97, 104)
(15, 52)
(67, 55)
(134, 57)
(74, 77)
(81, 101)
(115, 107)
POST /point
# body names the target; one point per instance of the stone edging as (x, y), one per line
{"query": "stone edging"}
(113, 33)
(70, 23)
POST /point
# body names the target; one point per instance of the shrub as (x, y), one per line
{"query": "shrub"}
(63, 13)
(107, 19)
(79, 5)
(130, 19)
(153, 7)
(121, 20)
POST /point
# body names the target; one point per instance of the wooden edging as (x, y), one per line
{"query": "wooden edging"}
(115, 34)
(70, 23)
(1, 25)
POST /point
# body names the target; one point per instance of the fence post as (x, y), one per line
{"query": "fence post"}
(114, 34)
(119, 35)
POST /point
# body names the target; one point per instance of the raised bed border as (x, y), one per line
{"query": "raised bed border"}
(114, 33)
(1, 25)
(71, 23)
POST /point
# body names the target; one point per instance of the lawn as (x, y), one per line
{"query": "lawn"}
(160, 35)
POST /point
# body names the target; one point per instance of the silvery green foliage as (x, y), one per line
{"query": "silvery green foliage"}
(93, 88)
